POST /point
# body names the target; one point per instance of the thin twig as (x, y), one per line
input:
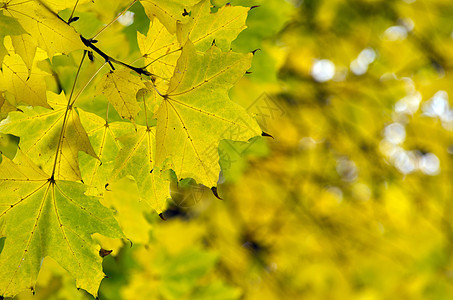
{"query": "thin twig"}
(111, 22)
(110, 59)
(73, 10)
(87, 83)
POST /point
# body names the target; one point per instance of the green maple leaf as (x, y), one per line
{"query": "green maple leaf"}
(196, 113)
(136, 158)
(203, 26)
(121, 87)
(39, 129)
(5, 107)
(131, 213)
(58, 5)
(8, 26)
(104, 139)
(27, 88)
(25, 46)
(168, 12)
(43, 217)
(160, 50)
(51, 33)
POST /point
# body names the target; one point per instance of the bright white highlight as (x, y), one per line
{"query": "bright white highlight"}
(323, 70)
(429, 164)
(395, 33)
(395, 133)
(359, 66)
(438, 107)
(126, 19)
(409, 104)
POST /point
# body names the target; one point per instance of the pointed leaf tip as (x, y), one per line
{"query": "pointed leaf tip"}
(214, 191)
(254, 51)
(104, 253)
(266, 134)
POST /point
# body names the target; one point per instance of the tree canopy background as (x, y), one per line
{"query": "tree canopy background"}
(350, 199)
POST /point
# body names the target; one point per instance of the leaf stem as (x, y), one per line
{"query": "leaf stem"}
(155, 88)
(73, 10)
(107, 113)
(87, 83)
(146, 113)
(65, 119)
(89, 42)
(111, 22)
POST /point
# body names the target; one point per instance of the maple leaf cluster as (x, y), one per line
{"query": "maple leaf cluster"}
(68, 156)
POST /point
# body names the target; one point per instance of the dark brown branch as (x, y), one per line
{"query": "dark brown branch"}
(110, 60)
(89, 43)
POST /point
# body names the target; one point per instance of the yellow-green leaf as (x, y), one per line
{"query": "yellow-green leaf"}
(136, 159)
(168, 12)
(104, 139)
(204, 27)
(57, 5)
(39, 129)
(26, 88)
(25, 46)
(43, 218)
(160, 50)
(121, 87)
(5, 107)
(8, 26)
(51, 33)
(197, 113)
(131, 213)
